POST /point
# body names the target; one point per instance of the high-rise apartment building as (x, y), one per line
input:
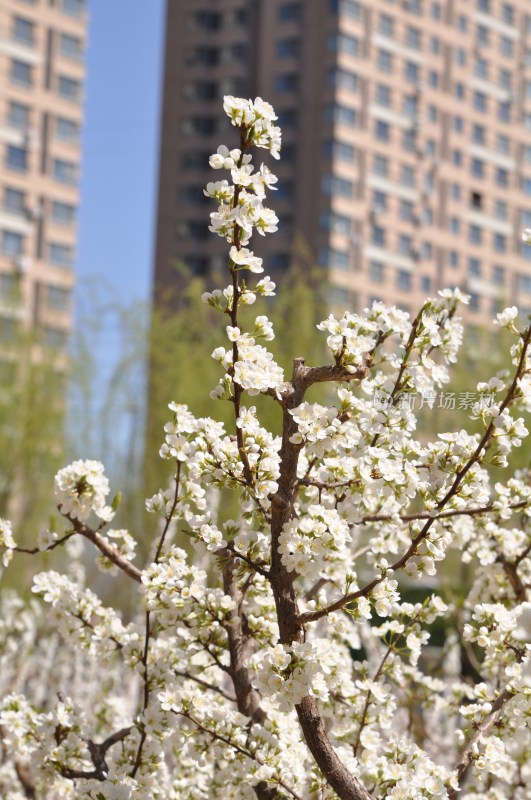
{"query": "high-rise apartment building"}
(42, 44)
(406, 160)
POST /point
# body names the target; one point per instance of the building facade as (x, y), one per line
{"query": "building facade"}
(406, 160)
(42, 70)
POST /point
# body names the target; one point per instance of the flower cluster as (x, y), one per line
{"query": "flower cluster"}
(81, 489)
(348, 582)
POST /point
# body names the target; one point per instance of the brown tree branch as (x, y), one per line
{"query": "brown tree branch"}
(108, 550)
(346, 786)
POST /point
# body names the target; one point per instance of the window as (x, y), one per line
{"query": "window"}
(407, 175)
(350, 8)
(65, 171)
(23, 30)
(201, 90)
(498, 275)
(406, 210)
(208, 20)
(413, 38)
(481, 68)
(76, 8)
(289, 12)
(379, 201)
(435, 45)
(341, 115)
(524, 283)
(376, 272)
(71, 46)
(427, 216)
(410, 105)
(502, 177)
(403, 280)
(14, 200)
(12, 243)
(500, 209)
(286, 84)
(506, 79)
(459, 124)
(343, 78)
(343, 43)
(413, 6)
(453, 259)
(16, 158)
(332, 184)
(526, 185)
(386, 25)
(425, 284)
(473, 303)
(382, 131)
(506, 46)
(455, 225)
(435, 11)
(482, 36)
(409, 140)
(508, 13)
(60, 255)
(58, 298)
(199, 126)
(385, 61)
(504, 111)
(381, 165)
(405, 244)
(480, 101)
(500, 242)
(476, 200)
(69, 88)
(383, 95)
(475, 234)
(67, 129)
(483, 5)
(456, 191)
(462, 23)
(433, 78)
(332, 257)
(427, 251)
(474, 266)
(460, 57)
(411, 72)
(288, 48)
(478, 168)
(378, 235)
(432, 113)
(342, 151)
(503, 143)
(21, 73)
(63, 213)
(207, 56)
(191, 195)
(479, 134)
(287, 118)
(18, 115)
(459, 91)
(338, 223)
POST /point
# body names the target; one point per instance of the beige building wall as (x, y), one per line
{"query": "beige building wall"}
(42, 70)
(406, 163)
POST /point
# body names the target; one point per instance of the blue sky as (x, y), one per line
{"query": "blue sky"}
(117, 214)
(120, 142)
